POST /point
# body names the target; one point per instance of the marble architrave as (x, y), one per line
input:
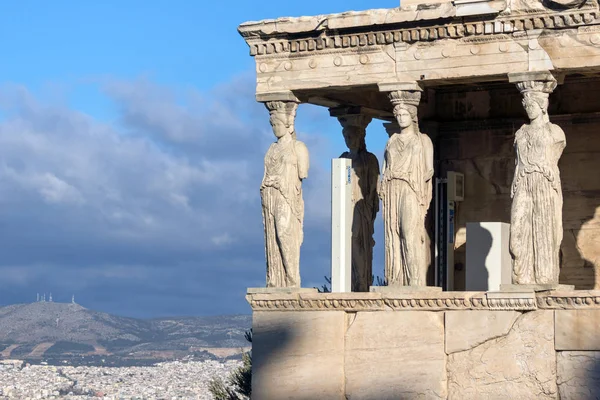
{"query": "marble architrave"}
(286, 165)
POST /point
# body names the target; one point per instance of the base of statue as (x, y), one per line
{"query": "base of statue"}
(404, 289)
(536, 287)
(280, 290)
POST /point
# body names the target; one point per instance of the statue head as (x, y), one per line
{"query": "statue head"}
(406, 115)
(405, 107)
(281, 116)
(535, 104)
(354, 129)
(535, 97)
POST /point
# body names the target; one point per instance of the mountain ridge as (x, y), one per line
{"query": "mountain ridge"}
(37, 330)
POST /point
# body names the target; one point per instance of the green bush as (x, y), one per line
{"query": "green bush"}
(239, 383)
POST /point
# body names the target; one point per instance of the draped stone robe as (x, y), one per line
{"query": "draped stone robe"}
(536, 216)
(365, 174)
(406, 194)
(283, 212)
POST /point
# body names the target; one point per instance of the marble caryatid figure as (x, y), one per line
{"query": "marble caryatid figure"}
(286, 165)
(536, 214)
(365, 176)
(406, 191)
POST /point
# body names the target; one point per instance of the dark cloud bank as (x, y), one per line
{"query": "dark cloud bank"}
(157, 214)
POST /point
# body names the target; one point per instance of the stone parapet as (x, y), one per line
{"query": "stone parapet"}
(449, 345)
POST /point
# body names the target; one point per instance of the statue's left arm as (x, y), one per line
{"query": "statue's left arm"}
(429, 170)
(374, 173)
(428, 153)
(560, 141)
(303, 159)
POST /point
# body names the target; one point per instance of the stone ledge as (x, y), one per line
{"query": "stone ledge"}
(402, 301)
(425, 301)
(576, 299)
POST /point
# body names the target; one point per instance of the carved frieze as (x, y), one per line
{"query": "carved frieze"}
(277, 45)
(441, 301)
(570, 300)
(353, 302)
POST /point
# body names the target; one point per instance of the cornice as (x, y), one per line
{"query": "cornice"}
(308, 42)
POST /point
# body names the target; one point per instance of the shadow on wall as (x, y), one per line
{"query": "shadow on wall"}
(301, 356)
(580, 250)
(477, 275)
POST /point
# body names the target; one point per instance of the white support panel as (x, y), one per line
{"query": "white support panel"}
(489, 263)
(341, 225)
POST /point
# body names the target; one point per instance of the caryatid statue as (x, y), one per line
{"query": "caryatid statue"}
(406, 191)
(286, 165)
(536, 215)
(365, 176)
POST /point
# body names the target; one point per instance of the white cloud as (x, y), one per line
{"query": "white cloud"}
(164, 199)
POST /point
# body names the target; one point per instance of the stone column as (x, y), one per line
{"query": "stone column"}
(365, 176)
(286, 166)
(536, 213)
(406, 191)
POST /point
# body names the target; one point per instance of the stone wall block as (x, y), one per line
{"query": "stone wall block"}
(578, 375)
(577, 330)
(468, 329)
(298, 355)
(520, 365)
(396, 355)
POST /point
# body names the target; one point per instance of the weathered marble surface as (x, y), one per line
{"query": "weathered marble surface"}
(406, 192)
(520, 365)
(577, 329)
(466, 330)
(536, 229)
(365, 177)
(298, 355)
(399, 354)
(286, 165)
(578, 375)
(484, 153)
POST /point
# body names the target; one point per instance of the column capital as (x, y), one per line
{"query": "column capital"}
(341, 111)
(412, 86)
(351, 116)
(533, 81)
(286, 96)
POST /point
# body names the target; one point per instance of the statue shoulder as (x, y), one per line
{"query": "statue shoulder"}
(300, 147)
(372, 158)
(301, 151)
(557, 132)
(271, 147)
(555, 128)
(426, 140)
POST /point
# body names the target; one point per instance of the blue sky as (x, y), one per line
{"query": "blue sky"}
(131, 155)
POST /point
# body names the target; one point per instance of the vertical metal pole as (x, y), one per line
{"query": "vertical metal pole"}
(341, 225)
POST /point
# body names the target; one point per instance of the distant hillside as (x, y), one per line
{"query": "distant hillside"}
(64, 330)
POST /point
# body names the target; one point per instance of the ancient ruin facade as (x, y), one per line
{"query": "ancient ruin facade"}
(507, 99)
